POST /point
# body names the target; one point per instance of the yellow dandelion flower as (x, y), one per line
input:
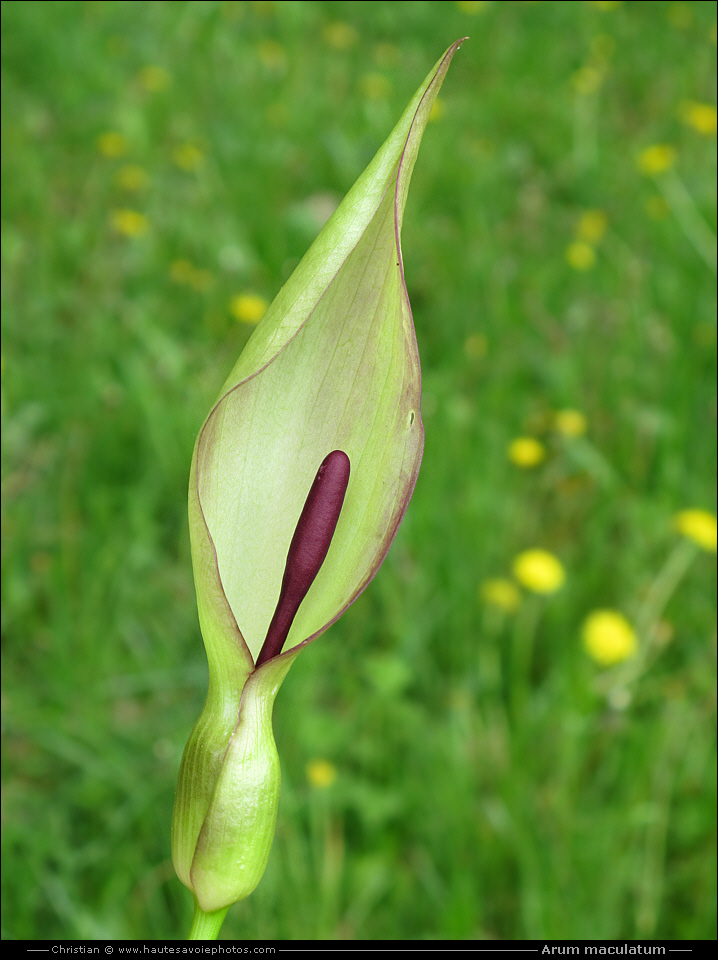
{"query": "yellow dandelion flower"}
(657, 158)
(154, 78)
(181, 271)
(386, 54)
(248, 307)
(130, 223)
(188, 157)
(437, 109)
(605, 5)
(501, 593)
(587, 80)
(272, 54)
(591, 226)
(321, 773)
(713, 33)
(472, 7)
(701, 116)
(111, 144)
(571, 423)
(375, 86)
(699, 526)
(132, 178)
(680, 16)
(580, 255)
(201, 280)
(608, 637)
(526, 452)
(657, 207)
(340, 35)
(539, 571)
(476, 346)
(263, 8)
(603, 46)
(232, 9)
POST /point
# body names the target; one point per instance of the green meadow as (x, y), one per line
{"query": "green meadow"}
(511, 734)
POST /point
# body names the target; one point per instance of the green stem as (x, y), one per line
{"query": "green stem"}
(206, 926)
(688, 215)
(659, 594)
(665, 585)
(522, 653)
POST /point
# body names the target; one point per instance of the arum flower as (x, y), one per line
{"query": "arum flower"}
(300, 477)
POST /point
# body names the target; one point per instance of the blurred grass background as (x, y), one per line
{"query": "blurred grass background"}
(456, 764)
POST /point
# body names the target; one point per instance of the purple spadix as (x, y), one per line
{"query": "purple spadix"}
(308, 548)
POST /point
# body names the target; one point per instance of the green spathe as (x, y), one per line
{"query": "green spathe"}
(332, 365)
